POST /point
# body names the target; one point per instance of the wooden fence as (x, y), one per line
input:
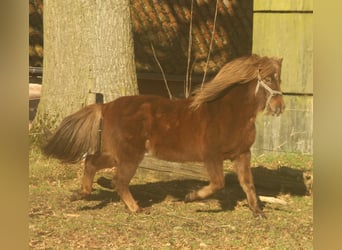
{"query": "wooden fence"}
(285, 29)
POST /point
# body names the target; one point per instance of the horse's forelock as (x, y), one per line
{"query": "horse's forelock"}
(268, 66)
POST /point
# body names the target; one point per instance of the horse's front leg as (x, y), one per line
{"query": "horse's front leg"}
(242, 167)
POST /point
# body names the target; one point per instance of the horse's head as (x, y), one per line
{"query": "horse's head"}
(262, 71)
(268, 87)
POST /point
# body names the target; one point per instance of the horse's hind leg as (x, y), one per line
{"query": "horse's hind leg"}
(92, 164)
(215, 172)
(242, 167)
(121, 179)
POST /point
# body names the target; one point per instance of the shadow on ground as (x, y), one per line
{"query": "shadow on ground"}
(268, 182)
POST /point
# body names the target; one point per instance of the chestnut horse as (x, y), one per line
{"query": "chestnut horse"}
(216, 123)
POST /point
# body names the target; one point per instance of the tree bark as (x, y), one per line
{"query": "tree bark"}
(88, 48)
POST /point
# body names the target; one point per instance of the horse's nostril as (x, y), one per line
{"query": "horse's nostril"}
(279, 110)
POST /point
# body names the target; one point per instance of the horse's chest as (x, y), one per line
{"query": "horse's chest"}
(240, 139)
(249, 132)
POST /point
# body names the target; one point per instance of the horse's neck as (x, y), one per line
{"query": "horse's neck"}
(241, 99)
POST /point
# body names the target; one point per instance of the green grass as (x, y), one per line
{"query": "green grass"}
(167, 222)
(295, 161)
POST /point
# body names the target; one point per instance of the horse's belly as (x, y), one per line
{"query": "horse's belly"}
(171, 149)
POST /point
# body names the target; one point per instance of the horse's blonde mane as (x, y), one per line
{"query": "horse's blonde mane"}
(241, 70)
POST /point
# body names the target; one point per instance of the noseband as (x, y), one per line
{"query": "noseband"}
(262, 83)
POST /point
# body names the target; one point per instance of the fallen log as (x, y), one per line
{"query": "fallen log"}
(270, 181)
(164, 170)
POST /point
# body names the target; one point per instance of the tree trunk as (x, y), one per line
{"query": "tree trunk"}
(88, 48)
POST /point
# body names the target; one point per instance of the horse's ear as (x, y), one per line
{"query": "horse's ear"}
(280, 60)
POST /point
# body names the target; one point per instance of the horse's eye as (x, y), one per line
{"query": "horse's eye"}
(268, 79)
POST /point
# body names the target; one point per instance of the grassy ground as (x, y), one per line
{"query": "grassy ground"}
(103, 222)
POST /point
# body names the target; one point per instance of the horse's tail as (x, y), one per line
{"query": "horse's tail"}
(77, 135)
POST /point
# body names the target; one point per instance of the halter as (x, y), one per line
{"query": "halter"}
(263, 84)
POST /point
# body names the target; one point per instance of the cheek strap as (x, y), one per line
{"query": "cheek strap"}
(262, 83)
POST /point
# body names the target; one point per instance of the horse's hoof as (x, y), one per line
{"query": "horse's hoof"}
(146, 210)
(136, 210)
(259, 215)
(191, 196)
(76, 196)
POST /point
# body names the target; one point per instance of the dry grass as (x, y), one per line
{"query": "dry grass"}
(103, 222)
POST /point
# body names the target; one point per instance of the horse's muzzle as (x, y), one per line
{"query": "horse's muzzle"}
(276, 106)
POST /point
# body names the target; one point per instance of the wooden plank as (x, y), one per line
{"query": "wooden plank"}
(298, 5)
(165, 170)
(289, 36)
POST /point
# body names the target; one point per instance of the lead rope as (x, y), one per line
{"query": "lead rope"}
(271, 91)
